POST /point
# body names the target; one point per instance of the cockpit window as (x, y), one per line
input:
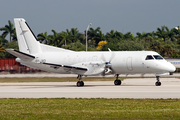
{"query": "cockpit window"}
(157, 57)
(149, 57)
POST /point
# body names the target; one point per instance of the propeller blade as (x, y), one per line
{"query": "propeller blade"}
(112, 56)
(109, 49)
(103, 58)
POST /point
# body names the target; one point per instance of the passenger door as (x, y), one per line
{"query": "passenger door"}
(129, 64)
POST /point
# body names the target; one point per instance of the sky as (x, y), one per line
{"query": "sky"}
(121, 15)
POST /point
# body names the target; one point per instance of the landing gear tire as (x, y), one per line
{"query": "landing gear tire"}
(158, 83)
(117, 82)
(80, 83)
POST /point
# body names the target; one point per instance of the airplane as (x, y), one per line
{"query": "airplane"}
(34, 54)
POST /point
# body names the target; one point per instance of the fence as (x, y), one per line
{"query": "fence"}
(10, 65)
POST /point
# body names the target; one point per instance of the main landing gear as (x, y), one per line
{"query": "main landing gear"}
(158, 83)
(80, 83)
(117, 81)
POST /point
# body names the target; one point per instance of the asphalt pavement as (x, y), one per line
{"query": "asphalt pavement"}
(130, 88)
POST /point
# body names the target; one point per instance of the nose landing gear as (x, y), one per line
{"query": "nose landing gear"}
(158, 83)
(117, 81)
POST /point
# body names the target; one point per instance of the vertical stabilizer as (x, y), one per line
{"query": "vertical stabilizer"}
(26, 39)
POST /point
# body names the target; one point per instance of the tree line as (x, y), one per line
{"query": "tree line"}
(165, 41)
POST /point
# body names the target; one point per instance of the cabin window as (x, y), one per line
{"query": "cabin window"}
(149, 57)
(158, 57)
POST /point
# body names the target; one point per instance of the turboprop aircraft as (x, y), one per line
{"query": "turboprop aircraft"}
(53, 59)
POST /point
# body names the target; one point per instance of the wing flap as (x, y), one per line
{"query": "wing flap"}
(21, 55)
(71, 68)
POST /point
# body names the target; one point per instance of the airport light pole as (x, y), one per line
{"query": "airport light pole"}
(86, 34)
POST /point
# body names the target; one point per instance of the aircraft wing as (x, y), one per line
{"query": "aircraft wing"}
(85, 68)
(20, 55)
(73, 69)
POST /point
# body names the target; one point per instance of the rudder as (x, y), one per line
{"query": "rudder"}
(26, 39)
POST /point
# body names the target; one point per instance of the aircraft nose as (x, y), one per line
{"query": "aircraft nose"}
(171, 67)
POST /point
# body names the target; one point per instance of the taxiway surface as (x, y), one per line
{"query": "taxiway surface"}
(130, 88)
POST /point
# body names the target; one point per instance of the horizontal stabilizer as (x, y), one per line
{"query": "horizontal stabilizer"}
(21, 55)
(56, 66)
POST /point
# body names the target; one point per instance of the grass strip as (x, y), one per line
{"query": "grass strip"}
(89, 109)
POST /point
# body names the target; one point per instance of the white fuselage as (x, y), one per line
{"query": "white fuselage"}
(125, 62)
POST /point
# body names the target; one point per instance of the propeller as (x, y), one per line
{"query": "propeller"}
(108, 65)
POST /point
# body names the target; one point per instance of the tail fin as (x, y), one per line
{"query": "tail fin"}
(26, 39)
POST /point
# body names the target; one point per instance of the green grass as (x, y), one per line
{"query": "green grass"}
(89, 109)
(54, 79)
(86, 109)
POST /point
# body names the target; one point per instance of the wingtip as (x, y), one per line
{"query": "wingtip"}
(9, 49)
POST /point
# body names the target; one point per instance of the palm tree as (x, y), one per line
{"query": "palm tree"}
(155, 46)
(93, 35)
(75, 35)
(128, 35)
(161, 33)
(145, 36)
(101, 36)
(114, 34)
(151, 34)
(8, 29)
(170, 33)
(54, 39)
(14, 36)
(3, 40)
(141, 36)
(2, 48)
(111, 34)
(166, 50)
(66, 37)
(119, 35)
(43, 37)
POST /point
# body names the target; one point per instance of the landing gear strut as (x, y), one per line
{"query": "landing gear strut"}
(158, 83)
(80, 83)
(117, 81)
